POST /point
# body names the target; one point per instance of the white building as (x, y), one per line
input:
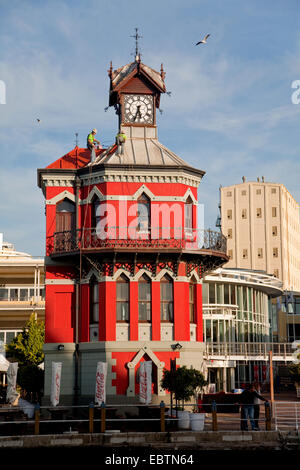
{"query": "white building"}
(236, 325)
(21, 290)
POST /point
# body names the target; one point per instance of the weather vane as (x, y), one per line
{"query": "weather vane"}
(136, 36)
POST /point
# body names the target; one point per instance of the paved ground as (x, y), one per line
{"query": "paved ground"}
(286, 414)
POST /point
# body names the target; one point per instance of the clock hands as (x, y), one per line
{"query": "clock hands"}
(138, 112)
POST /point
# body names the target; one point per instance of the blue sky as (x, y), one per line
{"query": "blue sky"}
(230, 112)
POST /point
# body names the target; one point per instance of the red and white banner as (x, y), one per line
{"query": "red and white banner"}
(101, 374)
(55, 386)
(11, 392)
(145, 382)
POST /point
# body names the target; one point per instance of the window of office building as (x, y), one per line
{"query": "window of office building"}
(275, 252)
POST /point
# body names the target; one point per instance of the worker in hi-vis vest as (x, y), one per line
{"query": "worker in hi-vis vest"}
(91, 141)
(120, 141)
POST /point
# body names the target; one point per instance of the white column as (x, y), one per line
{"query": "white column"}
(34, 288)
(39, 279)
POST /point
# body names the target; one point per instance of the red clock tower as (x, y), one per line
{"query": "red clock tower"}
(124, 257)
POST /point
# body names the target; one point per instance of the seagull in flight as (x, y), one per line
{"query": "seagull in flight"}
(203, 40)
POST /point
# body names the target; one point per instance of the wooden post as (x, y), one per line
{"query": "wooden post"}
(162, 417)
(91, 418)
(103, 417)
(271, 377)
(214, 416)
(268, 416)
(37, 419)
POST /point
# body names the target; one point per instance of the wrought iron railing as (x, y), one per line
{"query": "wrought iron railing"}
(157, 238)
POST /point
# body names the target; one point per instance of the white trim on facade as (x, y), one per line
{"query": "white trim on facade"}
(59, 197)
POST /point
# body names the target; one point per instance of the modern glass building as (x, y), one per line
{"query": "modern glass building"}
(237, 325)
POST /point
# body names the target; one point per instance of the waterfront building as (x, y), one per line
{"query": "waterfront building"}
(124, 256)
(261, 222)
(22, 293)
(237, 308)
(21, 290)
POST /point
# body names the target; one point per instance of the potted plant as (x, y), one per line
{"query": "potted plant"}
(184, 383)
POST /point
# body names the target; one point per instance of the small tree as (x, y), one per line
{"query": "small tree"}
(27, 349)
(183, 382)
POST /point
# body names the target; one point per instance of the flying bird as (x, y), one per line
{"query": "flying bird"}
(38, 120)
(203, 40)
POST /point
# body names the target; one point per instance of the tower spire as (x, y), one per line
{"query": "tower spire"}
(136, 36)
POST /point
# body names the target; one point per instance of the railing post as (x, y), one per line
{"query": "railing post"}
(37, 419)
(268, 416)
(91, 417)
(214, 416)
(162, 417)
(103, 417)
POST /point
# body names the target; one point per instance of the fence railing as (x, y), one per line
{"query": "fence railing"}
(156, 238)
(99, 419)
(287, 415)
(279, 350)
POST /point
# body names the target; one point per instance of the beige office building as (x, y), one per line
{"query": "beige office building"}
(21, 290)
(261, 222)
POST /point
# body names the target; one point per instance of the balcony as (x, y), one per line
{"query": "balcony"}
(249, 351)
(157, 239)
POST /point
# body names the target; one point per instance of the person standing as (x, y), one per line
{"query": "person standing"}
(247, 407)
(257, 403)
(91, 141)
(120, 141)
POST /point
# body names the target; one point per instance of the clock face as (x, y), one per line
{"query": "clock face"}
(138, 109)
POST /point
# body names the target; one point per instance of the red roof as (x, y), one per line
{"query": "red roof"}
(76, 158)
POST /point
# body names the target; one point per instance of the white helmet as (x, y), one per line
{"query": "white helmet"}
(95, 131)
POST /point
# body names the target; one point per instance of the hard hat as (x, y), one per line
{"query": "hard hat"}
(95, 131)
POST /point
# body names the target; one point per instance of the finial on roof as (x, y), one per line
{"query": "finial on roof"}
(136, 36)
(162, 72)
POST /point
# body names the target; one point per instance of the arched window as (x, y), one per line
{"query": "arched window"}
(65, 216)
(94, 301)
(122, 299)
(188, 214)
(166, 299)
(192, 287)
(95, 215)
(144, 299)
(144, 213)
